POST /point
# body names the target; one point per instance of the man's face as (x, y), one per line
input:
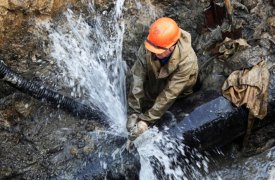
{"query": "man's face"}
(165, 53)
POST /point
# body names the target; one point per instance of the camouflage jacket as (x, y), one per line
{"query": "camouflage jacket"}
(162, 84)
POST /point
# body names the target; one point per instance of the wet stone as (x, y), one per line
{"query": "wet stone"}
(245, 59)
(81, 144)
(90, 127)
(81, 122)
(74, 151)
(79, 135)
(55, 149)
(88, 149)
(271, 23)
(4, 172)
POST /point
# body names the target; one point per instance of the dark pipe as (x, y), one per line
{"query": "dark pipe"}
(214, 123)
(40, 92)
(212, 120)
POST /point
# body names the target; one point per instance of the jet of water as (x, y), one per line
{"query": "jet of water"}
(89, 61)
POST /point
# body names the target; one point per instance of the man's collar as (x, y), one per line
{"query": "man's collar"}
(169, 67)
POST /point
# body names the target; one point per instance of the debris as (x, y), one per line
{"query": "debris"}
(245, 59)
(233, 33)
(229, 47)
(267, 145)
(214, 14)
(130, 146)
(88, 149)
(250, 88)
(74, 151)
(271, 25)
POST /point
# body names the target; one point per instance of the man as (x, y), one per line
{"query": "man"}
(166, 68)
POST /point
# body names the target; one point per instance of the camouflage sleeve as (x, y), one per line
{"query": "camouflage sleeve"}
(136, 90)
(184, 78)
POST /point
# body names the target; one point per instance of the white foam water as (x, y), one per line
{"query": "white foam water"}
(90, 61)
(163, 157)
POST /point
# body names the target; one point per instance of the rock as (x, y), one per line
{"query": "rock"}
(81, 144)
(74, 151)
(90, 126)
(19, 5)
(271, 26)
(246, 58)
(5, 172)
(39, 6)
(230, 47)
(8, 118)
(4, 3)
(269, 144)
(46, 6)
(4, 123)
(110, 161)
(88, 150)
(23, 108)
(250, 4)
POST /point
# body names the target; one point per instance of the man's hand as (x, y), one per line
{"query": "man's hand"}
(131, 122)
(136, 126)
(139, 128)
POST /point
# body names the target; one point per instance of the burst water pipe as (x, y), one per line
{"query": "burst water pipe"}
(206, 120)
(41, 92)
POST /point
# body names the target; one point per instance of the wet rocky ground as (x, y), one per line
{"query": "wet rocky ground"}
(35, 145)
(38, 140)
(256, 161)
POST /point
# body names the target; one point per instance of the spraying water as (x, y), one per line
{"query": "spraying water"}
(89, 58)
(163, 157)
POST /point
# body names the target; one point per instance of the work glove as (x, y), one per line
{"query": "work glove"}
(139, 128)
(131, 121)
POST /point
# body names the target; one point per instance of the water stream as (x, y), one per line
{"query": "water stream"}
(88, 54)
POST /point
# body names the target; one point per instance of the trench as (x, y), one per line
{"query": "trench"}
(88, 55)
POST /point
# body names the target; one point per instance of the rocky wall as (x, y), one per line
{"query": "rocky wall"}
(17, 31)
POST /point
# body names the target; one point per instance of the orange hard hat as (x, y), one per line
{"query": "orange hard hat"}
(163, 34)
